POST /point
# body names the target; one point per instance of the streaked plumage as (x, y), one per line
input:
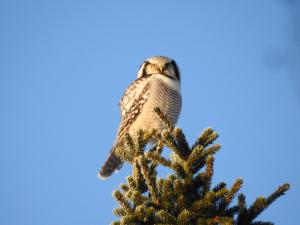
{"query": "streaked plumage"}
(158, 84)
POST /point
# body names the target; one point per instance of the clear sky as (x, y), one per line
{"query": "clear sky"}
(65, 64)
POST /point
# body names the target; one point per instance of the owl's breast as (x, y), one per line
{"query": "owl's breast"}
(167, 98)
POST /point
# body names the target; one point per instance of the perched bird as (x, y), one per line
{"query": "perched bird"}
(157, 84)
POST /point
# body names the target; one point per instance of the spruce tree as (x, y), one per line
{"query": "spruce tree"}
(187, 196)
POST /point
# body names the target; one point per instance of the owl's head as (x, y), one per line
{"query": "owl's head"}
(160, 65)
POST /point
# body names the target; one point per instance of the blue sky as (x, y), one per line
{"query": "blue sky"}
(65, 64)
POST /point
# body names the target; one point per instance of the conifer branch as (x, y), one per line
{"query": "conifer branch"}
(276, 194)
(150, 180)
(165, 217)
(164, 118)
(158, 159)
(182, 142)
(122, 201)
(234, 189)
(186, 197)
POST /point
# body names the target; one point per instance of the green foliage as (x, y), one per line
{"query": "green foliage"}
(186, 196)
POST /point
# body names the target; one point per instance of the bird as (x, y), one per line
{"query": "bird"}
(157, 85)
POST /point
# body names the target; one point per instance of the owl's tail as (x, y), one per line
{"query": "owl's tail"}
(112, 164)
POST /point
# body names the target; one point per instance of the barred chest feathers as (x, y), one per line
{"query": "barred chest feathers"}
(164, 92)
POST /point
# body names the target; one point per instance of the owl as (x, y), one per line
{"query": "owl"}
(157, 85)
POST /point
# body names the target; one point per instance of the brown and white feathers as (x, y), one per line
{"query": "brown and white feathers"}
(157, 84)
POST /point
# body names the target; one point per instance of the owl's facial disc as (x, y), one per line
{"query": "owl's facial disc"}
(160, 65)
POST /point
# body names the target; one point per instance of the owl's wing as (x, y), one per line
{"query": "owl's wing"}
(133, 101)
(131, 105)
(132, 93)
